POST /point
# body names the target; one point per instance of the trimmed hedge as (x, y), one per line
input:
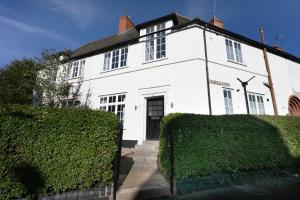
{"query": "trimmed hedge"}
(211, 145)
(46, 150)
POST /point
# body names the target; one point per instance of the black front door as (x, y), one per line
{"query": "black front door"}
(155, 111)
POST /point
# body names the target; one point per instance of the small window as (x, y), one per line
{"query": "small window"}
(256, 103)
(234, 51)
(114, 104)
(228, 101)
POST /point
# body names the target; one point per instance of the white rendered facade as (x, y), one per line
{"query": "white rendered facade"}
(180, 77)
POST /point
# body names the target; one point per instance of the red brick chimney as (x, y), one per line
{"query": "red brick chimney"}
(278, 47)
(125, 24)
(217, 22)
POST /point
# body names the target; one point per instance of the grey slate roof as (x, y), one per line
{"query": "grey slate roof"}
(131, 35)
(106, 43)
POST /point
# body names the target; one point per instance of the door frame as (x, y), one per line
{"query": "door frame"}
(146, 116)
(148, 93)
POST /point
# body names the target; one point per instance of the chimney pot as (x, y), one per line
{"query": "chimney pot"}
(278, 47)
(217, 22)
(125, 24)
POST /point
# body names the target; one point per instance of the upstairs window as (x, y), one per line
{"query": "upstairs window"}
(228, 101)
(256, 103)
(115, 59)
(76, 69)
(234, 51)
(155, 42)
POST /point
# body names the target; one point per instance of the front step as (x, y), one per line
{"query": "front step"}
(144, 193)
(145, 159)
(151, 142)
(146, 147)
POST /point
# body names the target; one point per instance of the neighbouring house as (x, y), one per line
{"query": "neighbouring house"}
(177, 64)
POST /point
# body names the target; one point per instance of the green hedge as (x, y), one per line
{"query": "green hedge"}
(45, 150)
(210, 145)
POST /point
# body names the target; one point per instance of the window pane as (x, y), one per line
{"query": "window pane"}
(238, 52)
(124, 52)
(106, 65)
(228, 101)
(75, 69)
(261, 106)
(115, 59)
(252, 103)
(161, 42)
(229, 50)
(69, 75)
(149, 50)
(81, 69)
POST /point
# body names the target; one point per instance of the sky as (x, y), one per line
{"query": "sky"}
(29, 26)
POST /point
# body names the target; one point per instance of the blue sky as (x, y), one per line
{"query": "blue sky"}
(28, 26)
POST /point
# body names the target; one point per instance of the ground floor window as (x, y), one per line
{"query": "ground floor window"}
(115, 104)
(256, 103)
(228, 101)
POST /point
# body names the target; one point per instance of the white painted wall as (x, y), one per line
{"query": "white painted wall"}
(181, 78)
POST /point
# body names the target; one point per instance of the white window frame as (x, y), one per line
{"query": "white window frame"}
(116, 101)
(228, 103)
(234, 51)
(256, 104)
(155, 43)
(76, 69)
(115, 59)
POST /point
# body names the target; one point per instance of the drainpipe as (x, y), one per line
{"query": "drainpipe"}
(206, 68)
(269, 73)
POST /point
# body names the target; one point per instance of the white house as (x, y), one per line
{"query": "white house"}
(176, 64)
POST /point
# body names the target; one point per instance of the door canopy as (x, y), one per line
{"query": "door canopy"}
(294, 106)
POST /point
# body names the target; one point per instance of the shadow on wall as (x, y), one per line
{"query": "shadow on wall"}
(30, 178)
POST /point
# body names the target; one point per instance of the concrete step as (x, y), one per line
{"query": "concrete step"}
(142, 193)
(145, 159)
(146, 147)
(147, 152)
(151, 142)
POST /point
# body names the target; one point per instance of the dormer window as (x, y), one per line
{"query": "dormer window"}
(155, 42)
(115, 59)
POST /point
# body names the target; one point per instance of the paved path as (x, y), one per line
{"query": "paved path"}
(143, 180)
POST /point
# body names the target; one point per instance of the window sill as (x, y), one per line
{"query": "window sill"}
(112, 70)
(68, 79)
(156, 60)
(237, 63)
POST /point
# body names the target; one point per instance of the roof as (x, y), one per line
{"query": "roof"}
(106, 43)
(117, 40)
(179, 21)
(242, 38)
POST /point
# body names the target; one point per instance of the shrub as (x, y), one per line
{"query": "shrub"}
(209, 145)
(53, 150)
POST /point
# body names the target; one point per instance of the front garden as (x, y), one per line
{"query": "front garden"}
(206, 146)
(51, 150)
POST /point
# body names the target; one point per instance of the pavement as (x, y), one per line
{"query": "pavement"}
(287, 188)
